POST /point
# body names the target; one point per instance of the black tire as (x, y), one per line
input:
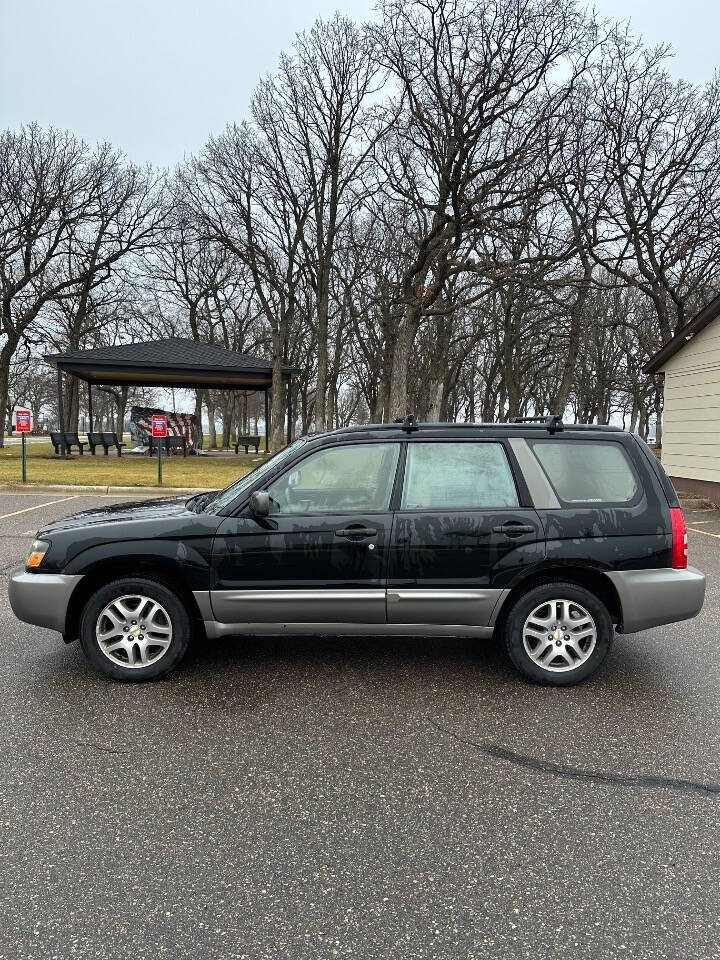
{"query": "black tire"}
(173, 612)
(526, 604)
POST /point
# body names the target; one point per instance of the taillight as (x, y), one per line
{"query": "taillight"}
(679, 539)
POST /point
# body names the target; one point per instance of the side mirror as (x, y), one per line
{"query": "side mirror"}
(260, 503)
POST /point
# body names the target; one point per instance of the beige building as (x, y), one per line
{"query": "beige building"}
(690, 364)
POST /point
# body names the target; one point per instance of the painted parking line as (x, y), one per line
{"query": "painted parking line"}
(705, 532)
(4, 516)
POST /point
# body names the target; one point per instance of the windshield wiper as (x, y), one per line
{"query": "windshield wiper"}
(199, 501)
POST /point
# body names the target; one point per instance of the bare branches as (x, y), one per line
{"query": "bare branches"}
(69, 217)
(465, 209)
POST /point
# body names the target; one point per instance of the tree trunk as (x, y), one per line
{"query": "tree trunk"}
(568, 371)
(277, 409)
(198, 417)
(6, 355)
(436, 398)
(401, 359)
(322, 359)
(658, 417)
(4, 389)
(72, 403)
(226, 423)
(212, 429)
(121, 407)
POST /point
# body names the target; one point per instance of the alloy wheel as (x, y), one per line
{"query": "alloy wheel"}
(559, 635)
(134, 631)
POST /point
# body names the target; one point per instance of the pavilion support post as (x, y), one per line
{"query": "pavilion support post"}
(289, 412)
(61, 414)
(267, 422)
(90, 409)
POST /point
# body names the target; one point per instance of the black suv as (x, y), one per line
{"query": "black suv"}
(549, 535)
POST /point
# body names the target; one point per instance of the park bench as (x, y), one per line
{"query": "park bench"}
(170, 443)
(104, 440)
(64, 442)
(247, 442)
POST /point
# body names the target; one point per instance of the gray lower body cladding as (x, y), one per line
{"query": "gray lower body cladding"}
(42, 598)
(650, 598)
(372, 608)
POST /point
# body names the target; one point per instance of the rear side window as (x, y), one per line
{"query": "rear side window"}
(450, 476)
(587, 471)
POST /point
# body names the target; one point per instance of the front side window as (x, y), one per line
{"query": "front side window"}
(465, 475)
(587, 471)
(357, 478)
(229, 494)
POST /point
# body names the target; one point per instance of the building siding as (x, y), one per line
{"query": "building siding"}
(691, 417)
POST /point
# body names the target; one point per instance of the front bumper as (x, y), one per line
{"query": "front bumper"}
(42, 598)
(650, 598)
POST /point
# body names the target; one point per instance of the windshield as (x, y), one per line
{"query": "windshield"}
(227, 495)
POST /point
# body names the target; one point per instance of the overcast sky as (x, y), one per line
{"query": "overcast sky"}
(156, 77)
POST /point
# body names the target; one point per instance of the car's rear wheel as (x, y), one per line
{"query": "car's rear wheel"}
(558, 633)
(135, 629)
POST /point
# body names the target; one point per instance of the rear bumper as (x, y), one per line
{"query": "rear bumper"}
(650, 598)
(42, 598)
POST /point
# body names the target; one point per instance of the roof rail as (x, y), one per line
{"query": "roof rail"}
(553, 422)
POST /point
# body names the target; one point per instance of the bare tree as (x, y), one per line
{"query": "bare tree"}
(659, 231)
(31, 383)
(243, 202)
(476, 88)
(67, 218)
(314, 120)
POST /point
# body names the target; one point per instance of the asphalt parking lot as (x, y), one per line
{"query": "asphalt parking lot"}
(364, 798)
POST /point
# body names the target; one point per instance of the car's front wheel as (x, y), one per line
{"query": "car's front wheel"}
(558, 633)
(135, 629)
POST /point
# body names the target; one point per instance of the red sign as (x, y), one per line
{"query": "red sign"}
(23, 421)
(159, 425)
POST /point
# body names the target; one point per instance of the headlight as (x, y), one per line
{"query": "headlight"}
(37, 553)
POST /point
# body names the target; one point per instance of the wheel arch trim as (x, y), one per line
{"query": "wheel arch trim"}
(147, 564)
(593, 579)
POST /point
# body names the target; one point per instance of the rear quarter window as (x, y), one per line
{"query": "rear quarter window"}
(588, 471)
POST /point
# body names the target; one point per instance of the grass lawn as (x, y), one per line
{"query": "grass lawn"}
(126, 471)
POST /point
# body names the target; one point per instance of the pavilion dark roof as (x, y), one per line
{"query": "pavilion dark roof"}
(170, 361)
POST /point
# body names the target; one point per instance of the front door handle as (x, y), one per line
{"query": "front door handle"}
(514, 529)
(356, 533)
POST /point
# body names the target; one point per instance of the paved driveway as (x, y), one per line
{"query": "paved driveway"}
(364, 798)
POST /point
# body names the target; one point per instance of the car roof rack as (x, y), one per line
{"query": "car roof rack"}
(553, 422)
(409, 423)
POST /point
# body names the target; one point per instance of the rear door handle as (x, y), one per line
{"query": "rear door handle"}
(356, 533)
(514, 529)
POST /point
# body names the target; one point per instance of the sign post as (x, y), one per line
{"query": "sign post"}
(159, 431)
(23, 425)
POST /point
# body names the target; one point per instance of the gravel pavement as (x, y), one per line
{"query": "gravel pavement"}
(365, 798)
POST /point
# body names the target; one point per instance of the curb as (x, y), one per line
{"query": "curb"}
(86, 488)
(696, 503)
